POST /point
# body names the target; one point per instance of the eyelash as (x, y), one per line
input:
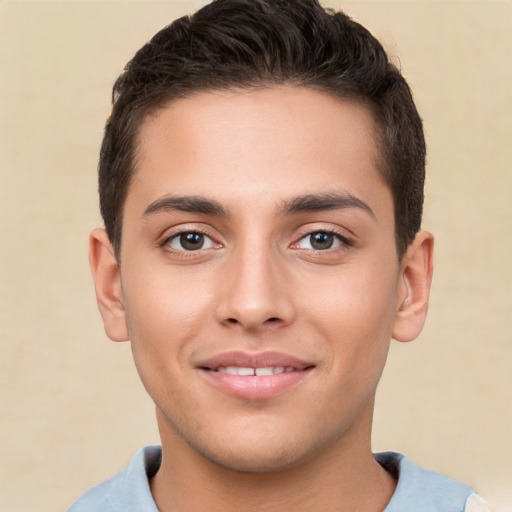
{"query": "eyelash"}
(344, 242)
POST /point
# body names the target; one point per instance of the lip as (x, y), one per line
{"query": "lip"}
(254, 387)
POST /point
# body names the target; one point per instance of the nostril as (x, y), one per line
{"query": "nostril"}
(235, 321)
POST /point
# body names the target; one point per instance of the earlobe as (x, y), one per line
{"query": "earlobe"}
(107, 283)
(416, 277)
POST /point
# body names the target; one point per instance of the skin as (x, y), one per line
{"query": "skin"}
(258, 284)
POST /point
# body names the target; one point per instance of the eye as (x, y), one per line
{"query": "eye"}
(321, 241)
(190, 241)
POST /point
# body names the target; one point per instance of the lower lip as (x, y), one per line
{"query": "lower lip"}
(254, 387)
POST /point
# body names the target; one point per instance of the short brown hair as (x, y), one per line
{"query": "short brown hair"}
(233, 44)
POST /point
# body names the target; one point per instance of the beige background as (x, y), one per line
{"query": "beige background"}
(72, 408)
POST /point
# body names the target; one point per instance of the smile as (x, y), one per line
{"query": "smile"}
(248, 372)
(254, 376)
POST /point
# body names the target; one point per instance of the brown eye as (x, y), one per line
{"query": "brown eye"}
(322, 241)
(190, 241)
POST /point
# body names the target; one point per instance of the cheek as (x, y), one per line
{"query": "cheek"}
(355, 311)
(165, 298)
(164, 312)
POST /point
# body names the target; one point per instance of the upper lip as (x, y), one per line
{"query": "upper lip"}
(241, 359)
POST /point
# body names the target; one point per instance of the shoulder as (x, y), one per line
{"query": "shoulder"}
(427, 491)
(126, 491)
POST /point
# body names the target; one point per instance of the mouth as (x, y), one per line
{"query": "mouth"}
(254, 376)
(250, 372)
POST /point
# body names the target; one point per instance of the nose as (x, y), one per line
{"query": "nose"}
(256, 292)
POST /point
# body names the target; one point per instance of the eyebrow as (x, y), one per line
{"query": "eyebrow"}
(298, 204)
(193, 204)
(326, 201)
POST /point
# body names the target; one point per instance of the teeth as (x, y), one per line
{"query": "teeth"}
(264, 371)
(236, 370)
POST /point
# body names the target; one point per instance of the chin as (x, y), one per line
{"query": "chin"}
(255, 459)
(269, 449)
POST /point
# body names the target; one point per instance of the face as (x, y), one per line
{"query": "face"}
(260, 279)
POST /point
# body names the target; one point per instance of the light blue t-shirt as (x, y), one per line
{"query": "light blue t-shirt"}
(417, 490)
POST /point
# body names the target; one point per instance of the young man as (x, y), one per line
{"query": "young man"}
(261, 183)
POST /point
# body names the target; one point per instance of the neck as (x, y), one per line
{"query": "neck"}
(343, 478)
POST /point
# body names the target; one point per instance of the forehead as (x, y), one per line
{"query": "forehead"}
(259, 144)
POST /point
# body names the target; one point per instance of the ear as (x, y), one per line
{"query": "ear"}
(414, 287)
(107, 283)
